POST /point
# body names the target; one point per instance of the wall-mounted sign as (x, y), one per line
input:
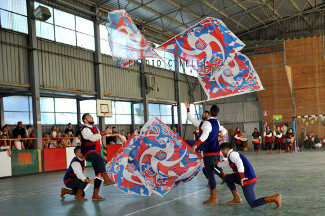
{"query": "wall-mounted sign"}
(277, 118)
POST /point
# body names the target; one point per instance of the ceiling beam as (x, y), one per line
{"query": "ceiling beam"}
(245, 9)
(158, 13)
(184, 9)
(300, 10)
(319, 9)
(102, 2)
(224, 14)
(129, 11)
(169, 12)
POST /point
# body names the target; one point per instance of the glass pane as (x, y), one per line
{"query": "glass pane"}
(165, 109)
(103, 32)
(88, 106)
(44, 30)
(123, 119)
(166, 119)
(94, 115)
(65, 118)
(50, 20)
(66, 36)
(85, 41)
(65, 105)
(13, 117)
(184, 118)
(110, 120)
(104, 46)
(84, 26)
(175, 115)
(154, 109)
(12, 21)
(47, 104)
(138, 119)
(47, 118)
(17, 6)
(30, 104)
(15, 103)
(184, 109)
(64, 19)
(122, 107)
(199, 108)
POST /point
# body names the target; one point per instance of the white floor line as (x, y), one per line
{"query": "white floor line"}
(163, 203)
(141, 210)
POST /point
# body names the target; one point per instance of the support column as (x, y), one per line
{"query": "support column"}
(78, 113)
(34, 72)
(2, 121)
(143, 81)
(132, 117)
(177, 97)
(99, 81)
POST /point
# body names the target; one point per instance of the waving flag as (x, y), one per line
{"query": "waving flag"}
(206, 46)
(126, 41)
(237, 77)
(155, 161)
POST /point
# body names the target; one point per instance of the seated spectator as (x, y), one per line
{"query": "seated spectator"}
(29, 134)
(76, 141)
(19, 130)
(54, 132)
(111, 138)
(175, 131)
(121, 138)
(128, 135)
(4, 135)
(18, 144)
(66, 141)
(69, 130)
(46, 141)
(59, 140)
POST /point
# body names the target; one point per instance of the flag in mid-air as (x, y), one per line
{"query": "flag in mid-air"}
(212, 50)
(155, 161)
(207, 45)
(126, 41)
(237, 77)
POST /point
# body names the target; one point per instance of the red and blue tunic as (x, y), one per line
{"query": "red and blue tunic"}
(241, 167)
(69, 174)
(211, 144)
(88, 146)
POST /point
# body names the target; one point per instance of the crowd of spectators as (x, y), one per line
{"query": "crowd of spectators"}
(54, 139)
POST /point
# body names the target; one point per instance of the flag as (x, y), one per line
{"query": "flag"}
(155, 161)
(237, 77)
(126, 41)
(206, 46)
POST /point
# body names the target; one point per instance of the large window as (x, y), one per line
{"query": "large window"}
(66, 28)
(17, 108)
(56, 111)
(121, 114)
(162, 111)
(89, 106)
(138, 113)
(104, 45)
(196, 111)
(13, 15)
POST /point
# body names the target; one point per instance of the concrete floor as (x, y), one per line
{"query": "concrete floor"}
(299, 177)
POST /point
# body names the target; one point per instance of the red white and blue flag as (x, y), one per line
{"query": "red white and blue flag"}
(235, 78)
(155, 161)
(213, 51)
(208, 45)
(126, 41)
